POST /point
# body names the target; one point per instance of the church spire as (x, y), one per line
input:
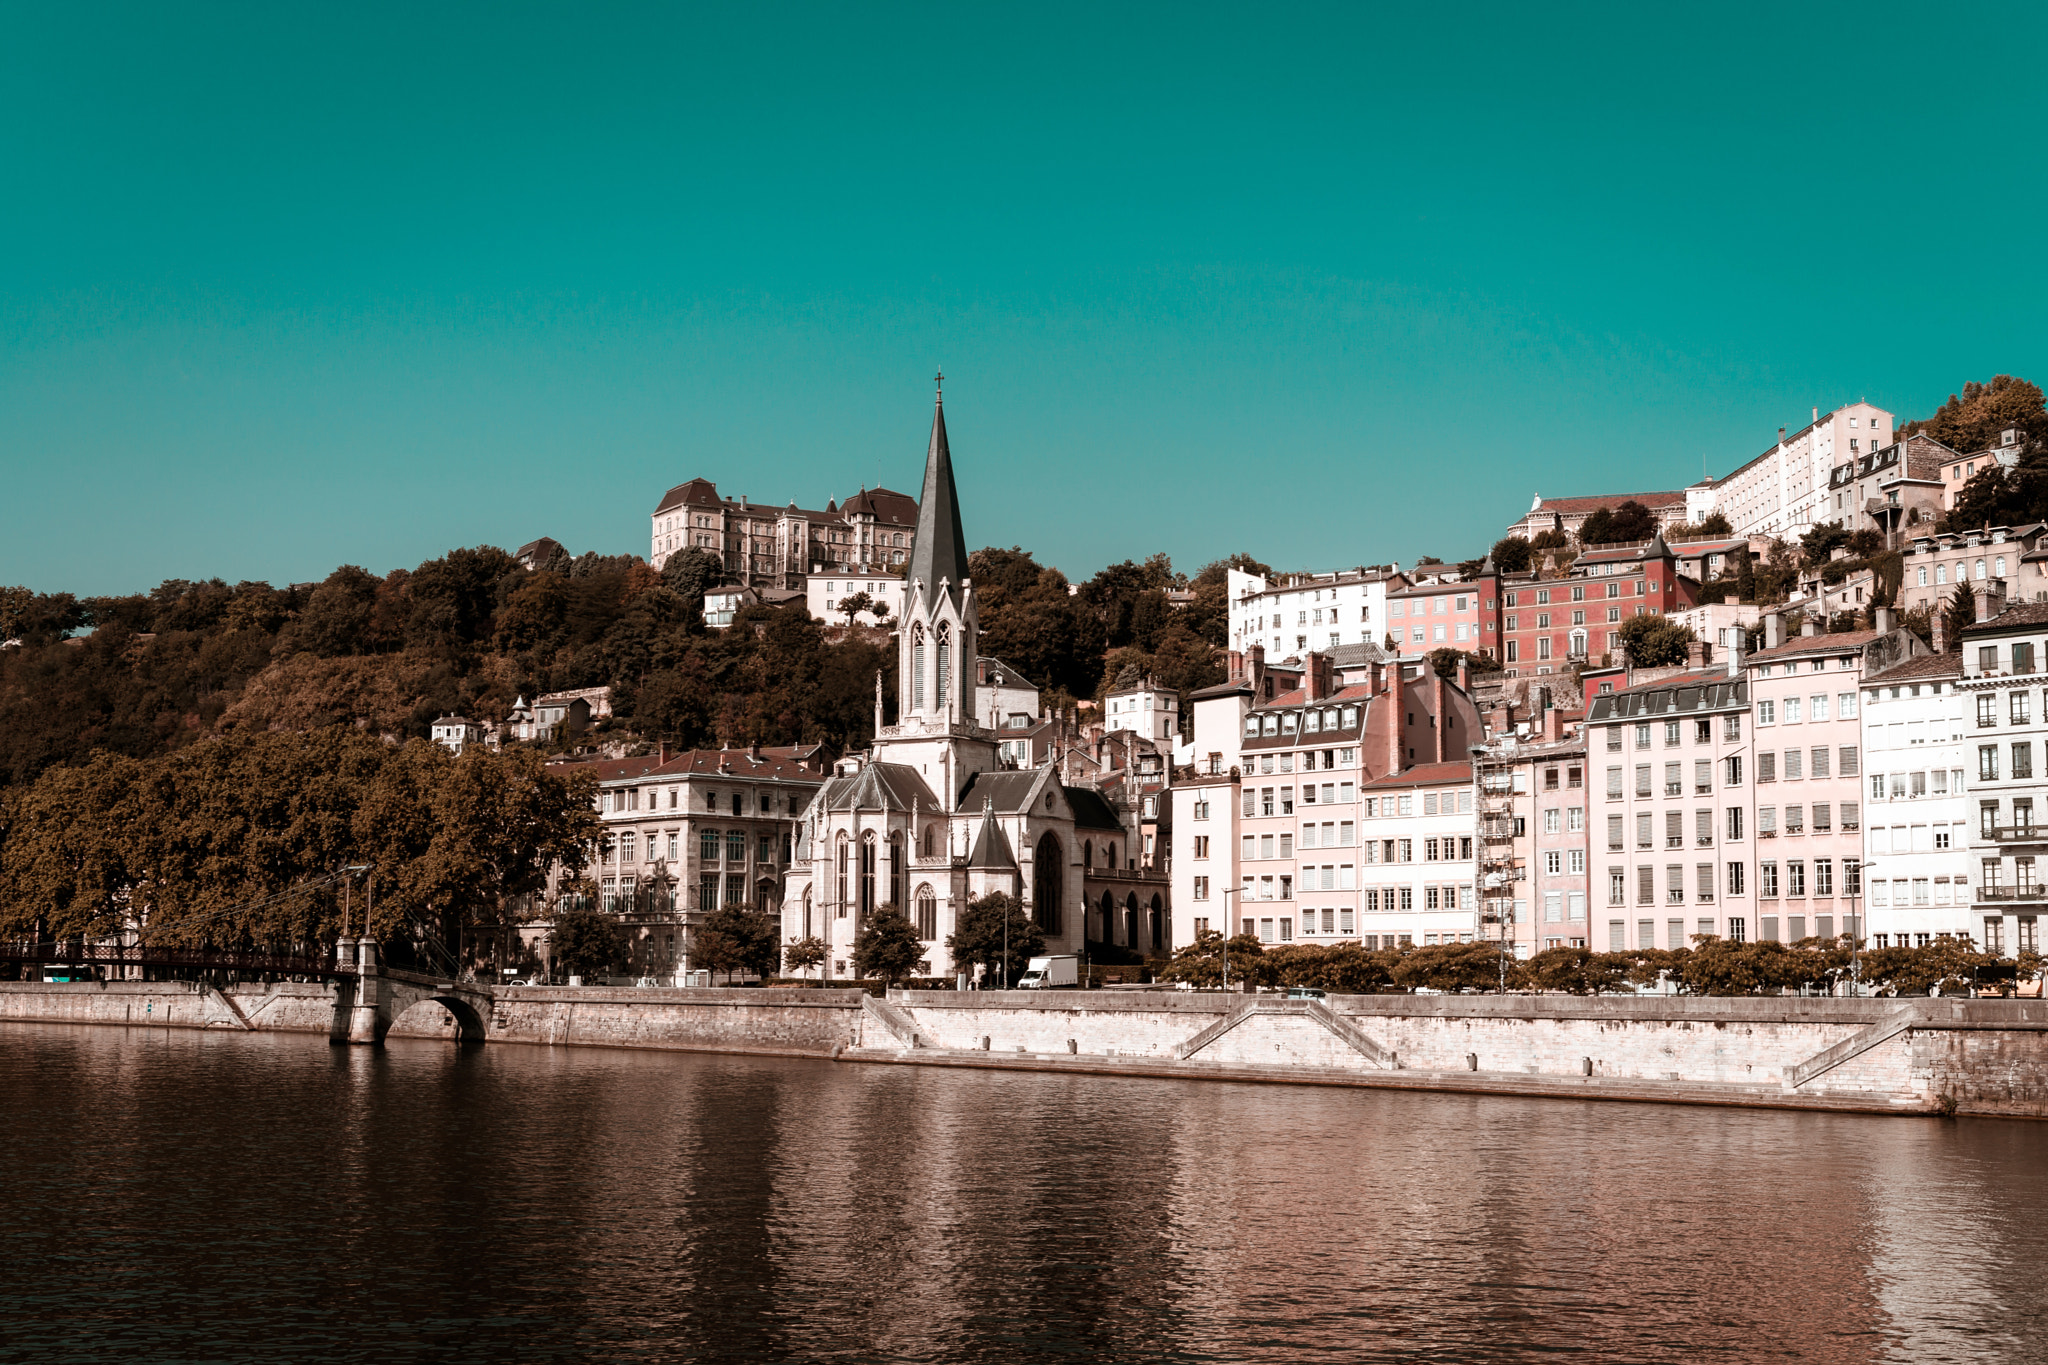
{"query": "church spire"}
(939, 549)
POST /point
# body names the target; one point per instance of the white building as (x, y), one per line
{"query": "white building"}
(823, 594)
(1916, 833)
(1418, 845)
(1291, 614)
(1785, 491)
(456, 733)
(2003, 658)
(1145, 709)
(1006, 698)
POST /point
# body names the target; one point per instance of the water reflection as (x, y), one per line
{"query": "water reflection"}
(177, 1195)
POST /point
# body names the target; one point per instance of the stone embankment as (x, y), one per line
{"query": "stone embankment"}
(1873, 1056)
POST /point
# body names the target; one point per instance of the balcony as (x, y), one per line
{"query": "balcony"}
(1704, 841)
(2035, 892)
(1674, 841)
(2018, 834)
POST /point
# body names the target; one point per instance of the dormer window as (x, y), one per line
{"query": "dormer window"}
(1287, 723)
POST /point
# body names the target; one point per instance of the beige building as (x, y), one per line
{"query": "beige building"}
(1787, 490)
(764, 546)
(1957, 470)
(2014, 558)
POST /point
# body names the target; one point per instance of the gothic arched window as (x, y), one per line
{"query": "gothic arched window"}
(840, 899)
(917, 666)
(867, 876)
(942, 690)
(896, 870)
(927, 914)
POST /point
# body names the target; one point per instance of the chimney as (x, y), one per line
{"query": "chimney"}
(1255, 668)
(1464, 675)
(1990, 596)
(1809, 626)
(1774, 631)
(1395, 699)
(1781, 435)
(661, 753)
(754, 751)
(1735, 652)
(1237, 665)
(1883, 620)
(1443, 718)
(1816, 414)
(1696, 654)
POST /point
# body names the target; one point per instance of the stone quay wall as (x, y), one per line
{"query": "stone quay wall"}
(1985, 1057)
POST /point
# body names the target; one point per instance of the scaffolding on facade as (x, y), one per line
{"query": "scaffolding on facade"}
(1500, 866)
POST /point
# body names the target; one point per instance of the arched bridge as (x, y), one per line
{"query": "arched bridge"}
(369, 1001)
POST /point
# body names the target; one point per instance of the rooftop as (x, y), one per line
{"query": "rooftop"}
(1919, 668)
(1423, 775)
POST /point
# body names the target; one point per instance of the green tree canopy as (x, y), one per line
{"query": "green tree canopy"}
(887, 946)
(1511, 554)
(1655, 641)
(1622, 525)
(587, 943)
(747, 941)
(978, 936)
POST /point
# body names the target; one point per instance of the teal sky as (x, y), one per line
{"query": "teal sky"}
(288, 286)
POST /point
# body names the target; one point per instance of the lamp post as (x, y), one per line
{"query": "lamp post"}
(1226, 894)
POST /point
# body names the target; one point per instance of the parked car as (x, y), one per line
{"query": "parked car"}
(1307, 993)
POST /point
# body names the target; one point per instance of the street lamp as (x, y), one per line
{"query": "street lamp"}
(1226, 894)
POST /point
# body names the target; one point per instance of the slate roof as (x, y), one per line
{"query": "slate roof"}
(1010, 793)
(939, 549)
(991, 847)
(884, 504)
(1091, 811)
(782, 764)
(695, 493)
(878, 786)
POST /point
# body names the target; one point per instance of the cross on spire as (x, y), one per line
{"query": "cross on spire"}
(939, 379)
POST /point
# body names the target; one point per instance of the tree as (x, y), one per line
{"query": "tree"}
(750, 934)
(801, 955)
(1975, 420)
(587, 943)
(1626, 524)
(1456, 967)
(1822, 541)
(980, 936)
(1201, 963)
(1208, 616)
(855, 605)
(1576, 971)
(887, 946)
(691, 572)
(1655, 641)
(1444, 662)
(1511, 554)
(1745, 578)
(1960, 615)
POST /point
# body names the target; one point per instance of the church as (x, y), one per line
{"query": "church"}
(933, 816)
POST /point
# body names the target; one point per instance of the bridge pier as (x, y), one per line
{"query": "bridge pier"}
(366, 1026)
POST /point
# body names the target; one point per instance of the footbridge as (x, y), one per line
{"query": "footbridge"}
(369, 999)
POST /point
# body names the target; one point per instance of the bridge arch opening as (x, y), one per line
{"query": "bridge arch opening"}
(439, 1016)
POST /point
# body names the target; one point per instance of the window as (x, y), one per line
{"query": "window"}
(1987, 709)
(1201, 888)
(2022, 759)
(1735, 871)
(1614, 833)
(1987, 763)
(1767, 712)
(1732, 768)
(1767, 880)
(1642, 779)
(2016, 706)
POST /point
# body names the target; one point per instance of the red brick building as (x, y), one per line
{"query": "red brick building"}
(1548, 624)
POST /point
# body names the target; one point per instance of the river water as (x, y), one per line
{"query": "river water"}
(174, 1195)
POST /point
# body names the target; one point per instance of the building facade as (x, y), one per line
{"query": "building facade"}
(2006, 736)
(1916, 811)
(1550, 625)
(1786, 490)
(1295, 613)
(764, 546)
(1675, 814)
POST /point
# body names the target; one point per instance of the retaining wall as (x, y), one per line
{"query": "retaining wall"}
(1914, 1056)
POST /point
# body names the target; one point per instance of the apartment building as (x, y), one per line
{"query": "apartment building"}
(1291, 614)
(1675, 755)
(1549, 625)
(1451, 614)
(1809, 779)
(1916, 810)
(2002, 658)
(764, 546)
(1299, 758)
(1551, 902)
(1958, 470)
(1892, 489)
(1786, 490)
(1420, 857)
(2014, 557)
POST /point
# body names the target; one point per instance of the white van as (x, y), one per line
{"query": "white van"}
(1044, 973)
